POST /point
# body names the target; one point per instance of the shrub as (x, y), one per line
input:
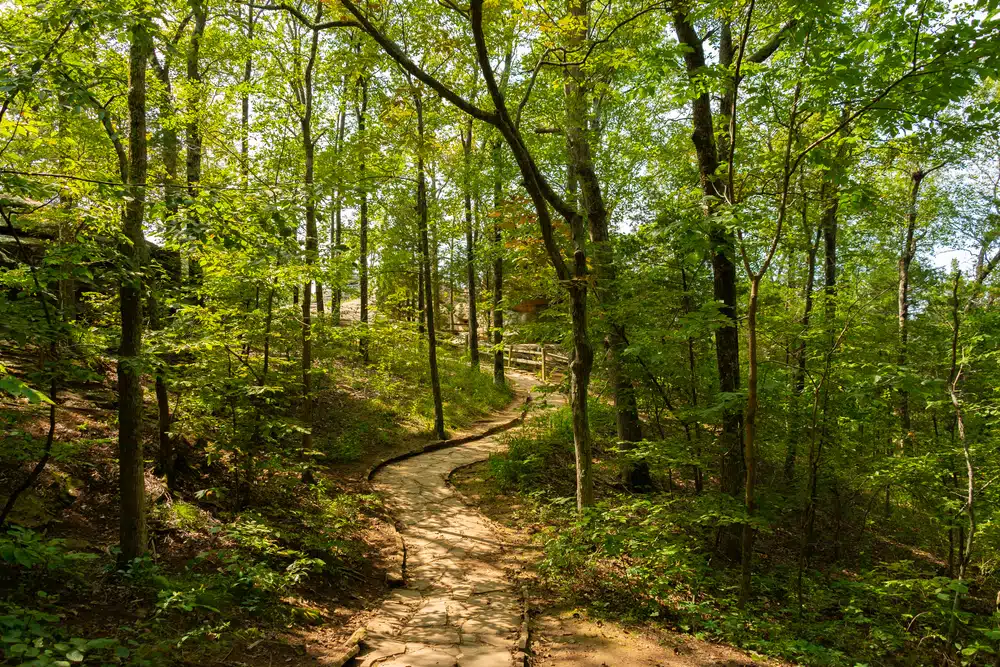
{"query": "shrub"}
(28, 549)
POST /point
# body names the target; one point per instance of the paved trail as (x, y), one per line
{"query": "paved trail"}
(458, 609)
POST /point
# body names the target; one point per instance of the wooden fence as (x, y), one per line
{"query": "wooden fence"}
(539, 359)
(546, 361)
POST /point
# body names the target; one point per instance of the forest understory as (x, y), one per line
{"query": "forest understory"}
(651, 562)
(244, 572)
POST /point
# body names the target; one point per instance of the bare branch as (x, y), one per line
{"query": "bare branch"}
(662, 4)
(531, 85)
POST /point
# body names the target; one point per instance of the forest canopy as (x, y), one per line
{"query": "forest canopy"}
(250, 249)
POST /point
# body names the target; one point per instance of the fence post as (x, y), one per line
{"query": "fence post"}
(543, 362)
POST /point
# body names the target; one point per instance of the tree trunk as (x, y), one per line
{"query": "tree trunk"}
(693, 380)
(801, 362)
(582, 168)
(435, 264)
(268, 317)
(451, 287)
(245, 104)
(470, 254)
(499, 378)
(312, 239)
(727, 346)
(750, 442)
(906, 255)
(337, 233)
(193, 130)
(338, 205)
(363, 221)
(425, 251)
(132, 489)
(421, 316)
(830, 198)
(170, 152)
(580, 368)
(165, 454)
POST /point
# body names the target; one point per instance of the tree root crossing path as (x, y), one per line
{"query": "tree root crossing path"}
(458, 607)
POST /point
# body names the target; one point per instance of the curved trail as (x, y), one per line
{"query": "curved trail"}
(458, 608)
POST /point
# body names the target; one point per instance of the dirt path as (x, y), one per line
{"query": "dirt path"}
(458, 607)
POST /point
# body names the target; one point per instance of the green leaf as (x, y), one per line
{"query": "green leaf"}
(18, 389)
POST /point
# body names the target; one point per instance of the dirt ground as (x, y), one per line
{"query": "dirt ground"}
(566, 636)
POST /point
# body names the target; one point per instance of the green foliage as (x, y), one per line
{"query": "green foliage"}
(183, 515)
(537, 456)
(19, 389)
(28, 549)
(38, 638)
(854, 124)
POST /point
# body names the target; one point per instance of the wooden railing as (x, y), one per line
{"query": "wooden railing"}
(537, 358)
(547, 361)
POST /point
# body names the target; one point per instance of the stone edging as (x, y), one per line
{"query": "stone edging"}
(521, 655)
(451, 442)
(351, 648)
(395, 573)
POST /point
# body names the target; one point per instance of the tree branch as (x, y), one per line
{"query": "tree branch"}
(531, 85)
(303, 19)
(394, 52)
(766, 51)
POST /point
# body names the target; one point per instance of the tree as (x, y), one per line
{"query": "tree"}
(132, 488)
(470, 253)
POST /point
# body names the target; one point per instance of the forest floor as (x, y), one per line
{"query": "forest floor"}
(563, 634)
(218, 586)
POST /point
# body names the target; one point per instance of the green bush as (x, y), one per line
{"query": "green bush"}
(28, 549)
(538, 455)
(35, 637)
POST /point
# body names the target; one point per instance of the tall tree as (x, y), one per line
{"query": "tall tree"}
(302, 89)
(578, 131)
(418, 104)
(499, 377)
(336, 224)
(906, 254)
(727, 347)
(362, 111)
(193, 138)
(132, 488)
(470, 253)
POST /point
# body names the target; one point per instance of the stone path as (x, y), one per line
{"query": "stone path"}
(458, 608)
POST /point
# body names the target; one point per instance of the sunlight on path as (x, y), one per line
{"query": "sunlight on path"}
(458, 607)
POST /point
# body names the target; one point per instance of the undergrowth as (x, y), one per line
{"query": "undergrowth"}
(258, 537)
(651, 558)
